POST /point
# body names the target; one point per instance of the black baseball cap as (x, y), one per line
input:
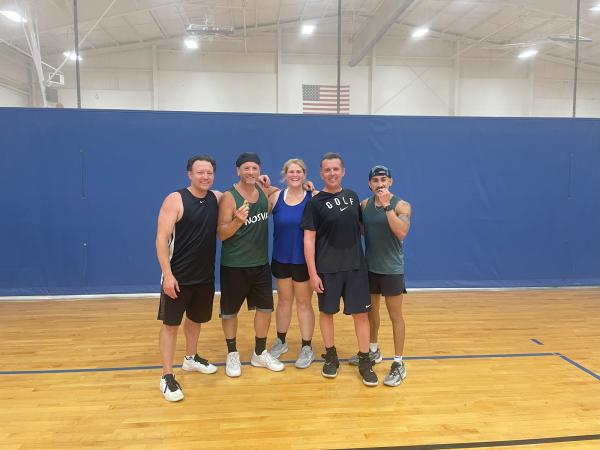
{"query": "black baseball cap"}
(379, 171)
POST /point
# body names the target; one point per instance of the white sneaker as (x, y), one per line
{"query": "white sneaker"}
(265, 359)
(233, 366)
(170, 388)
(198, 364)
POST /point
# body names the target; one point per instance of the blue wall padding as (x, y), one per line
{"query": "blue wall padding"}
(497, 202)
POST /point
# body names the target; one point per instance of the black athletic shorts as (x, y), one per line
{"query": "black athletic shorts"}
(388, 285)
(298, 272)
(196, 300)
(240, 283)
(352, 286)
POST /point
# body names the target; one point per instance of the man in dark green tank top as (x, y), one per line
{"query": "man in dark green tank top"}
(386, 220)
(245, 273)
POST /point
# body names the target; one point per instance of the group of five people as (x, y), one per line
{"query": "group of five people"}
(317, 247)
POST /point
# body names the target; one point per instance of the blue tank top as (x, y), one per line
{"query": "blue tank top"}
(288, 237)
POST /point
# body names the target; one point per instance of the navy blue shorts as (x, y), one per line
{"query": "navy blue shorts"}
(352, 286)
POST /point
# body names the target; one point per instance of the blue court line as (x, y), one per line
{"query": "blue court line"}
(579, 366)
(407, 358)
(537, 342)
(487, 444)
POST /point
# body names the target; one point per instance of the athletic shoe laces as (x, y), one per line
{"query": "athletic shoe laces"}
(171, 383)
(202, 361)
(330, 357)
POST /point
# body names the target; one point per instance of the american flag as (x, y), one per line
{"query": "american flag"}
(322, 99)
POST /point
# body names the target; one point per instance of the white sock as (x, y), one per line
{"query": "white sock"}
(373, 346)
(189, 357)
(398, 358)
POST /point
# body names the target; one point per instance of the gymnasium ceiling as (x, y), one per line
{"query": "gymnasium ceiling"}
(483, 28)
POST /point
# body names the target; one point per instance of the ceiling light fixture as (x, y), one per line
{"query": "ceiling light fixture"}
(191, 43)
(308, 28)
(528, 53)
(420, 32)
(595, 8)
(72, 56)
(14, 16)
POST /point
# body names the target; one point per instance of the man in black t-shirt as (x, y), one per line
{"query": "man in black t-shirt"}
(336, 264)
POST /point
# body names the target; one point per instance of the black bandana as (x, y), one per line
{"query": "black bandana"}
(247, 157)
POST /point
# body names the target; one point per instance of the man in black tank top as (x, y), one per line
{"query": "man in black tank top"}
(185, 247)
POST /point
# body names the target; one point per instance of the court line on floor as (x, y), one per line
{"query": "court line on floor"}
(514, 442)
(221, 364)
(579, 366)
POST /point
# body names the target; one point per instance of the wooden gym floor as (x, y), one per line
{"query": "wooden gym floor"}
(510, 369)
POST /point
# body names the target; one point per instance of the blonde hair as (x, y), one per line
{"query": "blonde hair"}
(287, 165)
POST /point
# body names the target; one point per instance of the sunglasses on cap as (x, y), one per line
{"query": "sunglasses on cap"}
(379, 171)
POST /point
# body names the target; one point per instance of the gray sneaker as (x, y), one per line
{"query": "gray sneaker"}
(396, 375)
(305, 358)
(279, 348)
(373, 356)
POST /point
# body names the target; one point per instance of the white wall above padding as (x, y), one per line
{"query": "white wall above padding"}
(216, 91)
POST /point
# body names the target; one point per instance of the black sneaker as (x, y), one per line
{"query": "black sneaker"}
(170, 388)
(365, 368)
(332, 363)
(375, 357)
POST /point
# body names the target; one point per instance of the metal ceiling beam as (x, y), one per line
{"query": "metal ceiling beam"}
(150, 42)
(500, 45)
(23, 52)
(458, 19)
(80, 43)
(94, 9)
(158, 25)
(139, 37)
(388, 12)
(559, 30)
(489, 35)
(112, 38)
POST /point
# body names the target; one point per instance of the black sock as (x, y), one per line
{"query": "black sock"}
(281, 336)
(260, 346)
(331, 349)
(231, 345)
(305, 343)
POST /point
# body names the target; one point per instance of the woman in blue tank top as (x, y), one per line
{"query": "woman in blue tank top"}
(288, 265)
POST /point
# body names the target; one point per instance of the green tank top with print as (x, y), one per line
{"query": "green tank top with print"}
(384, 251)
(249, 246)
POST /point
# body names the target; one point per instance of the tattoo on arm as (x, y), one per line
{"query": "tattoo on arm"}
(404, 218)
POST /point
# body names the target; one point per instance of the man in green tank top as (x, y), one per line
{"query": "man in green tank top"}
(245, 273)
(386, 220)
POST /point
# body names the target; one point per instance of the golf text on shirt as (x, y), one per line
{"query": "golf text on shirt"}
(339, 202)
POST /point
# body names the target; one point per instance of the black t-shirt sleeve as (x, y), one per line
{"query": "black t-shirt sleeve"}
(308, 218)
